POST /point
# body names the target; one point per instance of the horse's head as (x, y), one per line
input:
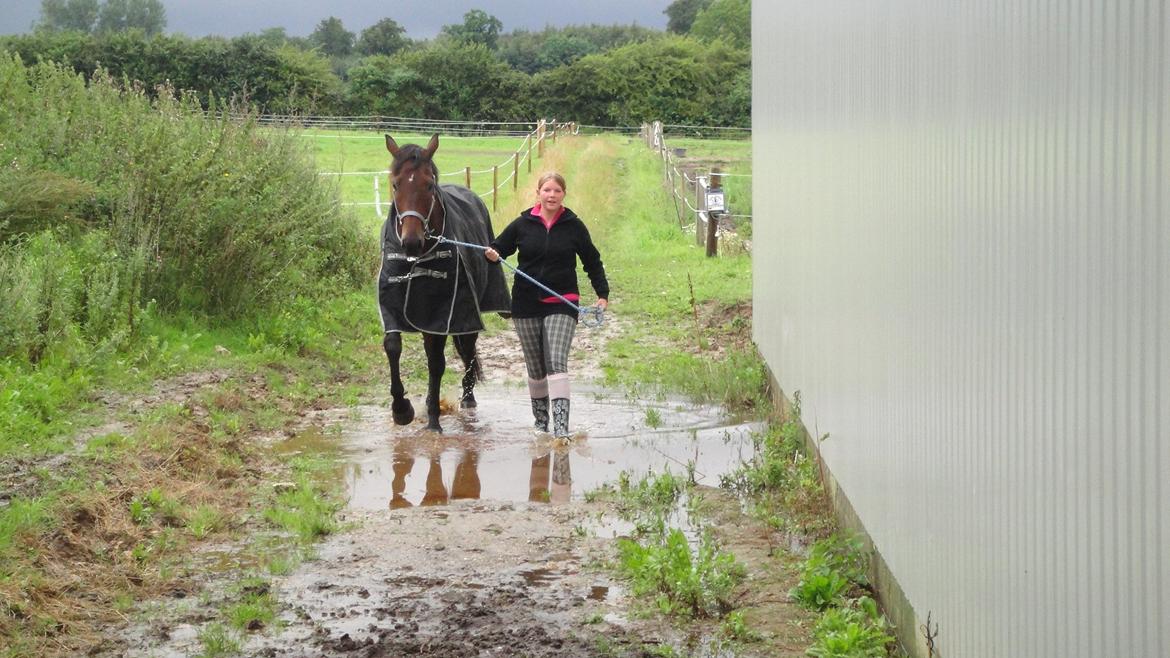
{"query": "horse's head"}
(415, 181)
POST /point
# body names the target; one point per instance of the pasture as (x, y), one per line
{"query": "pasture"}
(355, 158)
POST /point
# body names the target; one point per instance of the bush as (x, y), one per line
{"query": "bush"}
(443, 81)
(277, 78)
(112, 200)
(673, 79)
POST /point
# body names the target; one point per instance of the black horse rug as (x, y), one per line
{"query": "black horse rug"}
(444, 290)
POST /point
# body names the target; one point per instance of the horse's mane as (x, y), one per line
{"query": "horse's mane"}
(412, 153)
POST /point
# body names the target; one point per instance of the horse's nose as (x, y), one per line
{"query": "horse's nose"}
(412, 246)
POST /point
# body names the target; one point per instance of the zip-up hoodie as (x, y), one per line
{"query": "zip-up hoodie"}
(550, 255)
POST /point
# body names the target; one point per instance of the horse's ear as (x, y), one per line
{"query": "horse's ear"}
(433, 145)
(391, 145)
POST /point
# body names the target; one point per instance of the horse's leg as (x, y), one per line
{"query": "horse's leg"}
(400, 408)
(436, 364)
(465, 346)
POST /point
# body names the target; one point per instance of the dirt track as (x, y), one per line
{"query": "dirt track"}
(476, 542)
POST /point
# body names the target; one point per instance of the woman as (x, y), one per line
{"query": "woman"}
(550, 238)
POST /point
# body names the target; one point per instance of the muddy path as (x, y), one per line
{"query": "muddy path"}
(478, 541)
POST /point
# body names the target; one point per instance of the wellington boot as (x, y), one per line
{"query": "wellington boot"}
(560, 417)
(540, 413)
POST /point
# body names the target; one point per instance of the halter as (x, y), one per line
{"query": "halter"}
(426, 220)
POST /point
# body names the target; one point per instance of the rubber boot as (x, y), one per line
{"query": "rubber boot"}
(560, 418)
(540, 413)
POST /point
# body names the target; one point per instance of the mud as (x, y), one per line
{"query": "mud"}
(470, 579)
(478, 541)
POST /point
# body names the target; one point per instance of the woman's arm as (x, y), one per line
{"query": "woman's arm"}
(504, 245)
(591, 261)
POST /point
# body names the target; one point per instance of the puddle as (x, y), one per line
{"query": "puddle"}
(491, 453)
(485, 562)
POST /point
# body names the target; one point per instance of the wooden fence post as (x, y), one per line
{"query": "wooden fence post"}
(467, 177)
(495, 187)
(529, 158)
(515, 170)
(713, 217)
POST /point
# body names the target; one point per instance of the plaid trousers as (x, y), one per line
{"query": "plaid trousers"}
(546, 342)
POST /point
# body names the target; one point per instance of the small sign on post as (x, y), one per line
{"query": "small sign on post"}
(715, 200)
(715, 207)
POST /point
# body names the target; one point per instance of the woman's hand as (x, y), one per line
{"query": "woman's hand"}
(492, 254)
(602, 303)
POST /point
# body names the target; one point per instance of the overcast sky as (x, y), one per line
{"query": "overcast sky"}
(421, 18)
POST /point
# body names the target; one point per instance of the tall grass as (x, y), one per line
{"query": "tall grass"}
(112, 200)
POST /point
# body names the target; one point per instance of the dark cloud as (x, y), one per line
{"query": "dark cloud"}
(421, 18)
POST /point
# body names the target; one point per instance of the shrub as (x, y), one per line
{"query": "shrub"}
(111, 200)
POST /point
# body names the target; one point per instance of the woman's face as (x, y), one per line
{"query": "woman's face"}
(551, 195)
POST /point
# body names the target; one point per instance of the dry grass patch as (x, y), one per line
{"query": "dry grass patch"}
(116, 530)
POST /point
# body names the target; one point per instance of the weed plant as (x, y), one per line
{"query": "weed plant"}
(652, 495)
(303, 510)
(735, 627)
(218, 640)
(783, 481)
(856, 630)
(685, 582)
(255, 607)
(851, 625)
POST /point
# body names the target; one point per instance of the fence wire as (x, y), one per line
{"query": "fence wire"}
(533, 139)
(654, 137)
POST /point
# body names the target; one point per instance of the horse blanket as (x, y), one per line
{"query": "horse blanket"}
(444, 290)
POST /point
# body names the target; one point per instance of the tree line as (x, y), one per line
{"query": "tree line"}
(698, 71)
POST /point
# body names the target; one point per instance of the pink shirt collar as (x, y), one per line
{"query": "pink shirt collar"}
(547, 222)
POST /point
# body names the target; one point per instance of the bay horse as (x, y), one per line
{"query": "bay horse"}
(430, 286)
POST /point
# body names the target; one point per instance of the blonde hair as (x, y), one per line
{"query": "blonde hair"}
(551, 175)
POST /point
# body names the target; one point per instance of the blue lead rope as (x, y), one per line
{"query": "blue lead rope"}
(590, 316)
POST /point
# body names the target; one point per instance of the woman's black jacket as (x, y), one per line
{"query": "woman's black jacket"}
(549, 256)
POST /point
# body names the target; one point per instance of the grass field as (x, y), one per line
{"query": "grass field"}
(351, 152)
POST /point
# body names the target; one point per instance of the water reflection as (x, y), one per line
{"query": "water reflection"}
(539, 489)
(465, 484)
(486, 455)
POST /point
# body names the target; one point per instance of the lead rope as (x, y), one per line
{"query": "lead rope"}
(590, 316)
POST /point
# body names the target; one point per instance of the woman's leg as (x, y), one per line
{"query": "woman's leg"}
(558, 339)
(531, 333)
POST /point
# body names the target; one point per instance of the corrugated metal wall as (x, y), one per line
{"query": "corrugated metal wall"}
(960, 244)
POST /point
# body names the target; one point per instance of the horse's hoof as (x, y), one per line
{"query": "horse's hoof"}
(468, 402)
(402, 411)
(434, 426)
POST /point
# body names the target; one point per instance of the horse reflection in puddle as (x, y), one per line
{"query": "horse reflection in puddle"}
(549, 478)
(465, 484)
